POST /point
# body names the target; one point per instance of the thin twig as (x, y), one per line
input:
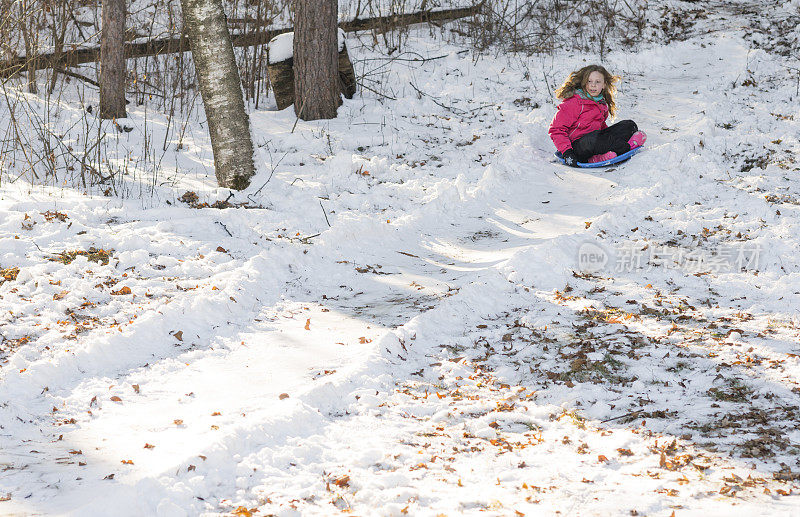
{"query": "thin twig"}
(633, 414)
(453, 109)
(298, 115)
(431, 97)
(307, 240)
(257, 192)
(323, 213)
(78, 76)
(224, 228)
(376, 92)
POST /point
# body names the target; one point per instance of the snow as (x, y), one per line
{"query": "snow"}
(397, 323)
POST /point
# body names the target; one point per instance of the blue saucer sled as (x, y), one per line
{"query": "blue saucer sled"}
(612, 161)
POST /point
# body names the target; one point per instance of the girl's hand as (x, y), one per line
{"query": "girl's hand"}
(570, 158)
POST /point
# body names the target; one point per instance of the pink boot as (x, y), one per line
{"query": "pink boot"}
(603, 157)
(637, 140)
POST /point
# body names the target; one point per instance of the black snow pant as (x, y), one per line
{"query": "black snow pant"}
(613, 138)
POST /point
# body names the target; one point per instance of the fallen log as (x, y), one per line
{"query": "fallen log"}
(80, 55)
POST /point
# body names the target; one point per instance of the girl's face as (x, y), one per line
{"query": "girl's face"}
(595, 83)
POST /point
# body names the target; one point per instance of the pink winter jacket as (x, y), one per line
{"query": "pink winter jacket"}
(576, 116)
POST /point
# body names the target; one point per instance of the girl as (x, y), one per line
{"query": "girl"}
(579, 128)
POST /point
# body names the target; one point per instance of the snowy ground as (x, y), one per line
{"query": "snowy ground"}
(399, 323)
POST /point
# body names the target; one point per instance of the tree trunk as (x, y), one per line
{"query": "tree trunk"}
(30, 47)
(316, 59)
(221, 89)
(112, 60)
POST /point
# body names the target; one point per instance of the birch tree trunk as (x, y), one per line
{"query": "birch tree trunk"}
(112, 60)
(221, 89)
(316, 59)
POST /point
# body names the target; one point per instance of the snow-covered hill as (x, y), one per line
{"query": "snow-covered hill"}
(399, 316)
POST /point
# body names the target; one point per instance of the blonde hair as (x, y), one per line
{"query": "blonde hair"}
(579, 78)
